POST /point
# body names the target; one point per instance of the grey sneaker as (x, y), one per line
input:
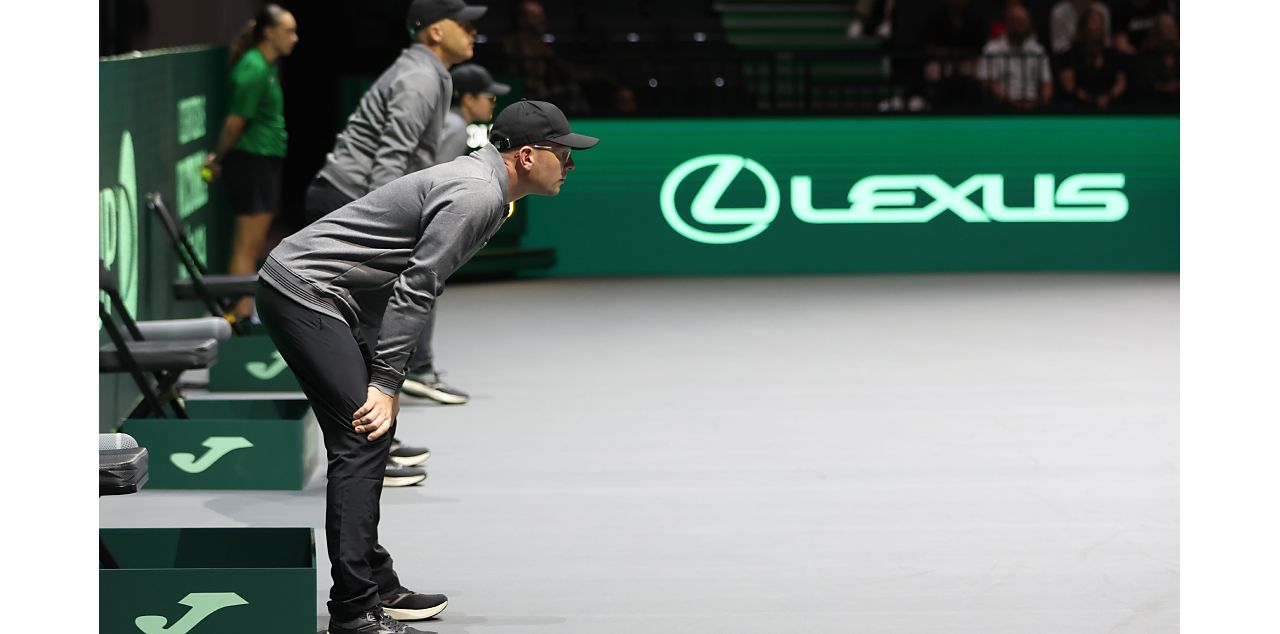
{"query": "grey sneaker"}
(401, 476)
(375, 621)
(429, 385)
(407, 456)
(407, 605)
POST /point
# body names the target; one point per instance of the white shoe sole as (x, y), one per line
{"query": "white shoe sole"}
(414, 615)
(422, 390)
(402, 481)
(411, 461)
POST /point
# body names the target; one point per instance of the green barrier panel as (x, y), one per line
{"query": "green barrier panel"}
(159, 113)
(207, 580)
(881, 194)
(251, 364)
(241, 444)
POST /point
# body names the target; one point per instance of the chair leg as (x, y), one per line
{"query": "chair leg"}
(165, 382)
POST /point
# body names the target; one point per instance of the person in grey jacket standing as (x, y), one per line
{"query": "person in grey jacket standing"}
(395, 130)
(377, 265)
(396, 126)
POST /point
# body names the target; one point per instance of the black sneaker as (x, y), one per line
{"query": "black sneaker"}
(407, 456)
(407, 605)
(429, 385)
(401, 476)
(375, 621)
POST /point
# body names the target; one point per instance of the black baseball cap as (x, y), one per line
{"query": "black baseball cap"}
(423, 13)
(473, 78)
(525, 122)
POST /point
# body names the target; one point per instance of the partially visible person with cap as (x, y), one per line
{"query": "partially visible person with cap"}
(395, 130)
(396, 126)
(474, 95)
(377, 265)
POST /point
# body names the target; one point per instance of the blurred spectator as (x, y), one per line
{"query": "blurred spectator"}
(546, 77)
(863, 11)
(995, 22)
(1014, 69)
(1132, 21)
(624, 102)
(1093, 75)
(1066, 16)
(953, 38)
(1158, 66)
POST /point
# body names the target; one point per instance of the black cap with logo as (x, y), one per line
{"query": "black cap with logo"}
(473, 78)
(526, 122)
(423, 13)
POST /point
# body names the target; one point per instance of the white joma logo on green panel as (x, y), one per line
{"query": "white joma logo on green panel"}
(202, 604)
(883, 199)
(218, 446)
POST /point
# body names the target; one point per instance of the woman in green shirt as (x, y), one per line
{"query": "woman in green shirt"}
(252, 144)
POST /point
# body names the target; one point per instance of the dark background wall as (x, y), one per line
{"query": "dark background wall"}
(341, 44)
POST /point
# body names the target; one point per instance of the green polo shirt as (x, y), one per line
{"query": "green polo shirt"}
(256, 96)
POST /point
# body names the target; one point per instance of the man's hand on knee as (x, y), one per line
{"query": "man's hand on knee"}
(377, 414)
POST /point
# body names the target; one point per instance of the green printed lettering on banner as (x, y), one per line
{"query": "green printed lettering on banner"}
(831, 195)
(202, 605)
(191, 119)
(118, 226)
(192, 195)
(477, 135)
(883, 199)
(193, 192)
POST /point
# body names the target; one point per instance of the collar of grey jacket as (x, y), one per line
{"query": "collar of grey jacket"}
(418, 49)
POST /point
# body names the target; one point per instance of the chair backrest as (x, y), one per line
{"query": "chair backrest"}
(106, 281)
(107, 284)
(187, 255)
(173, 231)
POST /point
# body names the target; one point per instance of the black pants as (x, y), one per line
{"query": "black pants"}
(332, 365)
(322, 198)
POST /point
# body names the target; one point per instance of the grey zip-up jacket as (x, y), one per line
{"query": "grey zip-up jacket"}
(453, 137)
(395, 129)
(379, 262)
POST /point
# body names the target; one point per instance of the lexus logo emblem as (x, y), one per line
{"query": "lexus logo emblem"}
(704, 209)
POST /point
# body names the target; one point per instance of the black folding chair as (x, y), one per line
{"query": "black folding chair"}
(217, 292)
(164, 359)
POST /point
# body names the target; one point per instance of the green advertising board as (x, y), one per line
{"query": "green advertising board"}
(231, 444)
(206, 580)
(251, 363)
(158, 114)
(885, 194)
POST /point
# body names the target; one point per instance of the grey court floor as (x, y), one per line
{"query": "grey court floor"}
(915, 454)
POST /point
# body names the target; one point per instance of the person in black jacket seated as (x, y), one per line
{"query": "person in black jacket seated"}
(1093, 74)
